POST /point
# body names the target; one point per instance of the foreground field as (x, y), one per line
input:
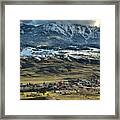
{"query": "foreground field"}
(75, 81)
(56, 96)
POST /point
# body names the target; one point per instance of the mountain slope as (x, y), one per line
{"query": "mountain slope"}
(58, 34)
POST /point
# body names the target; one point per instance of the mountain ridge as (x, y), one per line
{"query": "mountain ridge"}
(59, 34)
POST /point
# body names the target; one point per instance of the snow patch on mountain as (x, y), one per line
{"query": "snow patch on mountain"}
(92, 53)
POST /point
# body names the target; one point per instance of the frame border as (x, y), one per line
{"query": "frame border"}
(62, 2)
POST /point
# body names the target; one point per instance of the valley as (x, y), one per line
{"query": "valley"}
(62, 74)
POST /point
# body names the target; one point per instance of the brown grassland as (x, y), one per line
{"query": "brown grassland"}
(54, 71)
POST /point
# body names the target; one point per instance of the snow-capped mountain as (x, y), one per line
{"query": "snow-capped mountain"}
(91, 55)
(58, 34)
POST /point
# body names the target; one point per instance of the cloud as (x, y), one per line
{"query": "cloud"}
(82, 22)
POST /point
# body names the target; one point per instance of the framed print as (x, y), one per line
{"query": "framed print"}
(60, 59)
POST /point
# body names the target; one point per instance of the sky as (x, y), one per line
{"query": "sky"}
(82, 22)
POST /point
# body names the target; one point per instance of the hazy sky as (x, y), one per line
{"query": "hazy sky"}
(83, 22)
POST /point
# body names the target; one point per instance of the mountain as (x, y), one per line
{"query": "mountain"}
(58, 34)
